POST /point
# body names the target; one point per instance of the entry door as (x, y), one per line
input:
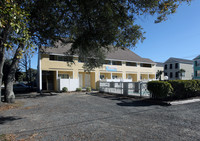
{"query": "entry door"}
(80, 80)
(87, 80)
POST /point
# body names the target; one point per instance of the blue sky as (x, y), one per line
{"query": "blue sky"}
(179, 36)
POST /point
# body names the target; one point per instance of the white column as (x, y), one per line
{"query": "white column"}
(58, 87)
(111, 75)
(40, 71)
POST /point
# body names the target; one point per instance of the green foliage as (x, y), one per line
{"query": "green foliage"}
(159, 74)
(177, 89)
(88, 89)
(184, 88)
(65, 89)
(159, 89)
(78, 89)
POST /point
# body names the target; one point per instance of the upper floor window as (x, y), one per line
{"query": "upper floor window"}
(116, 62)
(145, 65)
(176, 65)
(170, 66)
(52, 57)
(131, 64)
(197, 63)
(165, 66)
(61, 58)
(107, 62)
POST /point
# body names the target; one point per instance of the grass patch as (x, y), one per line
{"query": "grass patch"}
(8, 106)
(7, 137)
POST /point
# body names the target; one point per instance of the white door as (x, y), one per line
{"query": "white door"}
(87, 80)
(80, 80)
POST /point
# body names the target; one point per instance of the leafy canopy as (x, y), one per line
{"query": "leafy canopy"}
(91, 25)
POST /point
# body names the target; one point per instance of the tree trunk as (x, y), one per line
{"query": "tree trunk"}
(10, 78)
(9, 94)
(2, 60)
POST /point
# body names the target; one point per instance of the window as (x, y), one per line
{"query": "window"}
(107, 62)
(63, 76)
(146, 65)
(183, 74)
(197, 63)
(170, 66)
(176, 75)
(166, 66)
(102, 76)
(116, 62)
(171, 74)
(114, 77)
(52, 57)
(131, 64)
(166, 74)
(176, 65)
(65, 58)
(61, 58)
(198, 73)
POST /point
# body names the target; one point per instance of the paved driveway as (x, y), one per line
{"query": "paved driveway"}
(100, 117)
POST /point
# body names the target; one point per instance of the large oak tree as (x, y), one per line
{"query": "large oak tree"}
(91, 25)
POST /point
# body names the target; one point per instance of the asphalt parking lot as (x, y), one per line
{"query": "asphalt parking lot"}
(100, 117)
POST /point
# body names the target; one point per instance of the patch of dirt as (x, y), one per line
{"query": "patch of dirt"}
(7, 106)
(8, 137)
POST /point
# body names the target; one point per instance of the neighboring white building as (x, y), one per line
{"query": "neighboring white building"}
(173, 65)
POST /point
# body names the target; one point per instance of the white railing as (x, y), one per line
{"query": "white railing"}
(125, 88)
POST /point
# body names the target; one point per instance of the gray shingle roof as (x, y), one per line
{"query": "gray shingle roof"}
(115, 54)
(159, 64)
(197, 57)
(179, 60)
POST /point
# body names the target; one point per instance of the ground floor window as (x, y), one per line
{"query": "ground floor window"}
(63, 76)
(114, 77)
(102, 76)
(198, 73)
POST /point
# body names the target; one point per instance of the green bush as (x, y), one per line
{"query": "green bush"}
(88, 89)
(64, 89)
(185, 88)
(78, 89)
(159, 89)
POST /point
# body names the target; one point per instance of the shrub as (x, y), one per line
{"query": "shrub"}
(88, 89)
(64, 89)
(78, 89)
(159, 89)
(184, 88)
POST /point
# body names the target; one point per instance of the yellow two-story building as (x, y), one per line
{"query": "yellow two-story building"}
(121, 64)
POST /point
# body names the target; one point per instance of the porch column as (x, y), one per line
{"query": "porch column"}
(111, 75)
(57, 84)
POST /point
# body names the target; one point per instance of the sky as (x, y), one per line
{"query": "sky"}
(178, 37)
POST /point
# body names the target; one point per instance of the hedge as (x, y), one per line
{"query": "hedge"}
(177, 89)
(159, 89)
(185, 88)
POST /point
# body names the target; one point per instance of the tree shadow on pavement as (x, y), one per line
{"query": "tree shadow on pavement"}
(8, 119)
(130, 100)
(37, 95)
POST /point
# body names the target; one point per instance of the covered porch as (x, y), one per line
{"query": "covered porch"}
(146, 77)
(50, 79)
(132, 76)
(87, 79)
